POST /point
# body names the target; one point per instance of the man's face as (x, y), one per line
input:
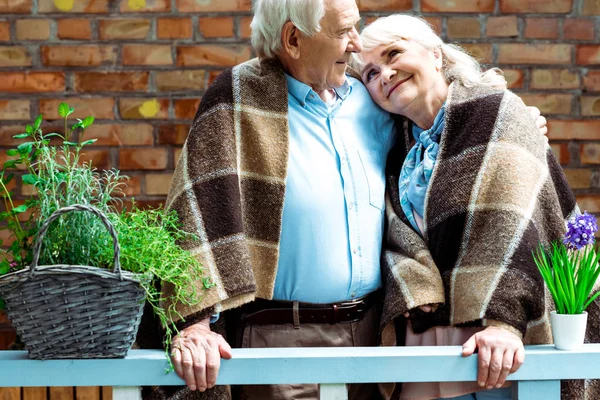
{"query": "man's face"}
(324, 56)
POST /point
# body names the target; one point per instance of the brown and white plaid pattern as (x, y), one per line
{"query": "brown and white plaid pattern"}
(496, 192)
(229, 184)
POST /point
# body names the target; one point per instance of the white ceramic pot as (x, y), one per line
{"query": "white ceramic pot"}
(568, 330)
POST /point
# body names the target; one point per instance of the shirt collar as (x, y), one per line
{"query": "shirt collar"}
(300, 90)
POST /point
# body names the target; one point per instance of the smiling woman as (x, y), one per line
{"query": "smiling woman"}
(480, 186)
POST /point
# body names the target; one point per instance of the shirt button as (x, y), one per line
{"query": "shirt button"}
(354, 251)
(352, 294)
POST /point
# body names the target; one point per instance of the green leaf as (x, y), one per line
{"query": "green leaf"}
(8, 178)
(11, 164)
(89, 142)
(87, 121)
(4, 267)
(53, 134)
(25, 148)
(20, 209)
(12, 152)
(77, 125)
(29, 129)
(38, 122)
(64, 110)
(29, 179)
(21, 135)
(67, 143)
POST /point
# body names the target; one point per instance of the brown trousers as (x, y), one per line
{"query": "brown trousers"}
(350, 334)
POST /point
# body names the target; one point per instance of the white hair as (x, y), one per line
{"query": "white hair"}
(457, 64)
(271, 15)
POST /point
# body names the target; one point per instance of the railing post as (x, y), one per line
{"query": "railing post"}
(536, 390)
(127, 393)
(333, 391)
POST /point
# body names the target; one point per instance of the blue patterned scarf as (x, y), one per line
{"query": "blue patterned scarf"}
(418, 167)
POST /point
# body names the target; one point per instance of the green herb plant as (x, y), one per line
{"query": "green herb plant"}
(58, 177)
(571, 269)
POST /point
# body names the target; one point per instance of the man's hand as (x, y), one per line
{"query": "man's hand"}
(424, 309)
(540, 121)
(196, 354)
(500, 352)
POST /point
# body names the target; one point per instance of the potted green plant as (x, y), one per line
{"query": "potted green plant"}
(149, 239)
(570, 270)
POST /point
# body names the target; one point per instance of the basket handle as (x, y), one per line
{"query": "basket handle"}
(77, 207)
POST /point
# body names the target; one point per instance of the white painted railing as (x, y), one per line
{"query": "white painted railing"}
(538, 379)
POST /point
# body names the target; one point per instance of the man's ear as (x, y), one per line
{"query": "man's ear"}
(438, 58)
(290, 40)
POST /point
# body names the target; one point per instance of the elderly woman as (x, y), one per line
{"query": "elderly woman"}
(480, 187)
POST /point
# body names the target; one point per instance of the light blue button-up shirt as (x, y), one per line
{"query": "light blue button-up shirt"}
(334, 200)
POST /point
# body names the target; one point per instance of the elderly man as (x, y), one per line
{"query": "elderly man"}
(282, 181)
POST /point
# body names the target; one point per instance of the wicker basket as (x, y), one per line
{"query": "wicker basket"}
(74, 311)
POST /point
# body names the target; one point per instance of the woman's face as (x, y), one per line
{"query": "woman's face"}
(401, 76)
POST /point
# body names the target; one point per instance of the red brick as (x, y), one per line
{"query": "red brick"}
(385, 5)
(172, 134)
(578, 29)
(588, 54)
(123, 29)
(213, 5)
(144, 108)
(503, 26)
(145, 159)
(561, 152)
(147, 54)
(180, 80)
(514, 78)
(589, 203)
(74, 28)
(174, 28)
(464, 28)
(74, 6)
(436, 23)
(245, 30)
(212, 75)
(212, 55)
(32, 29)
(98, 158)
(7, 132)
(477, 6)
(14, 109)
(4, 158)
(549, 103)
(186, 108)
(13, 56)
(177, 154)
(574, 129)
(591, 81)
(211, 27)
(536, 6)
(79, 56)
(111, 81)
(554, 79)
(481, 51)
(121, 134)
(16, 6)
(133, 186)
(579, 178)
(591, 7)
(590, 153)
(31, 82)
(100, 108)
(136, 6)
(4, 31)
(590, 105)
(158, 184)
(513, 53)
(541, 28)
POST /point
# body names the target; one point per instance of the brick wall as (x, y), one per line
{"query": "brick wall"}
(141, 66)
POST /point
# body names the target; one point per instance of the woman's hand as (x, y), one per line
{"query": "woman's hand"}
(424, 309)
(501, 353)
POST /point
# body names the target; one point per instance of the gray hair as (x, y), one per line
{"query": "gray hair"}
(271, 15)
(457, 64)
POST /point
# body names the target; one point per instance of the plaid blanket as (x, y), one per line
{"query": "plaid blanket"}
(496, 192)
(229, 184)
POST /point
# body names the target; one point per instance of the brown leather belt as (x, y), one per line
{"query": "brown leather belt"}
(266, 312)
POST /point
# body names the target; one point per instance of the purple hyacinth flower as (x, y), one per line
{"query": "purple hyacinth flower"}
(580, 231)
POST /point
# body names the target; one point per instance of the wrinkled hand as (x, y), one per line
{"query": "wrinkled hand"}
(501, 353)
(424, 309)
(196, 355)
(540, 121)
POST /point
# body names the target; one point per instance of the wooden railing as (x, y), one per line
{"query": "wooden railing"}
(538, 379)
